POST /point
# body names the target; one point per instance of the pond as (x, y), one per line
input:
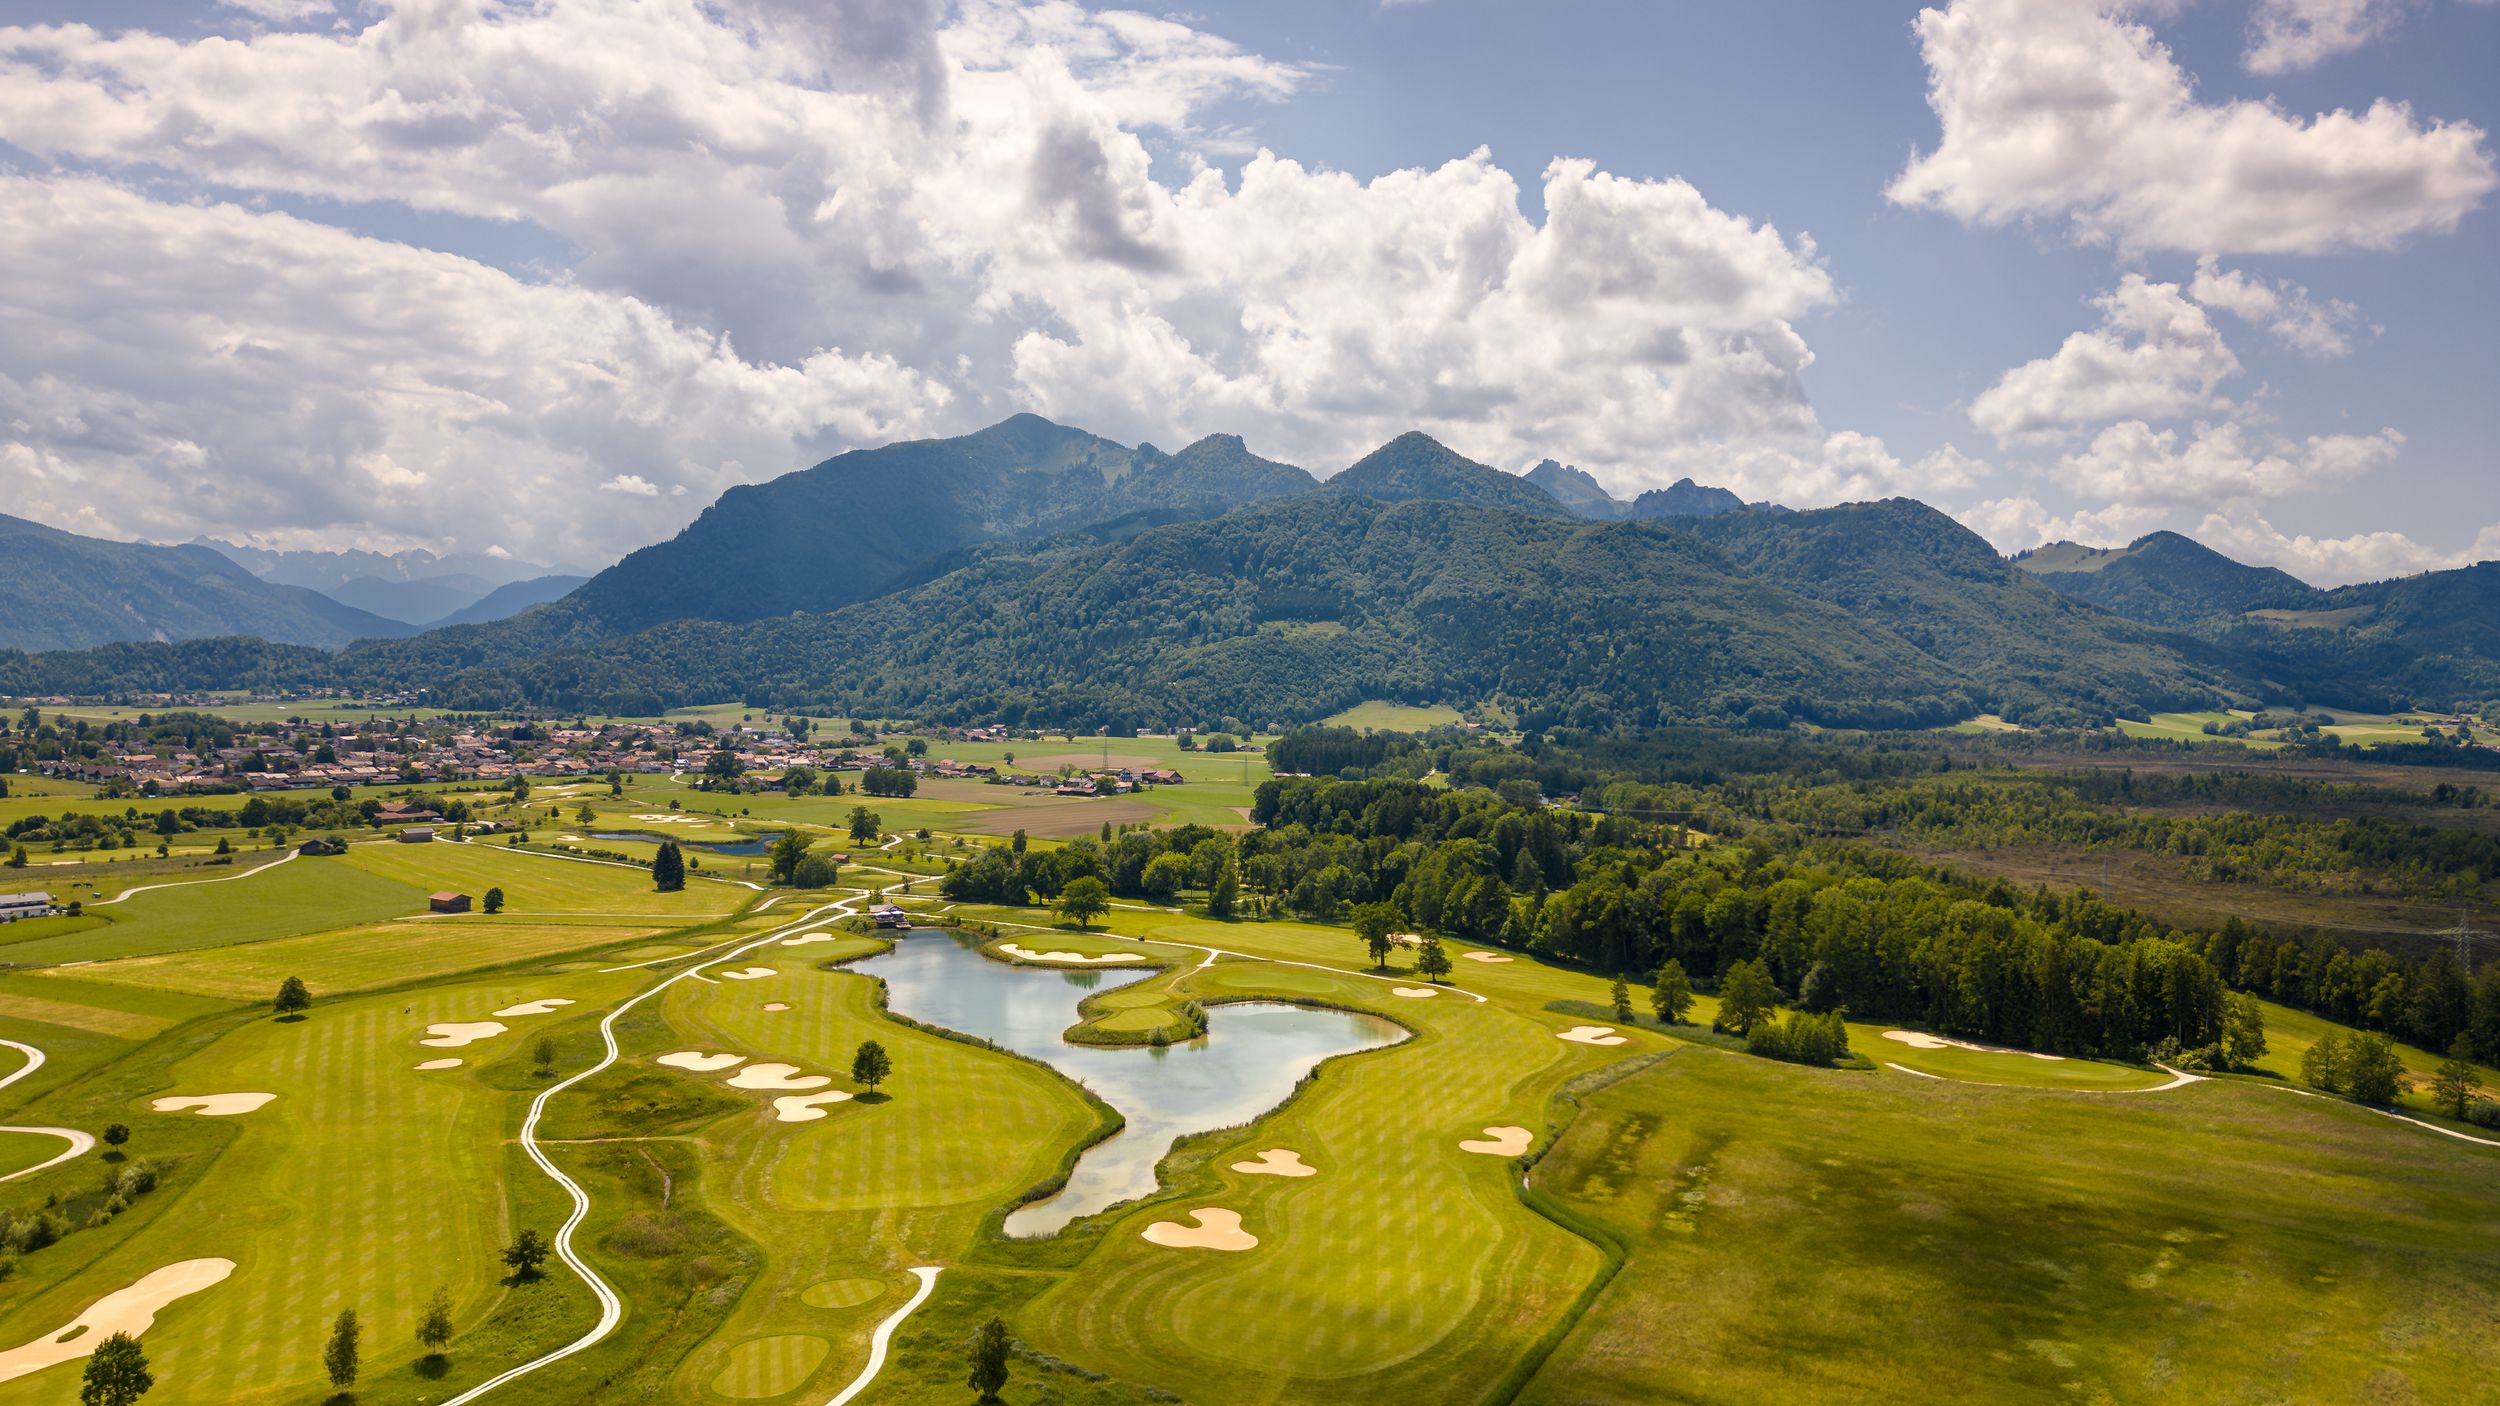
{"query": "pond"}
(734, 848)
(1249, 1060)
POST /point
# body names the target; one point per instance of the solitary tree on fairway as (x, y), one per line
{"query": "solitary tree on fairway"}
(434, 1327)
(2456, 1084)
(117, 1373)
(293, 998)
(668, 868)
(1622, 995)
(1432, 961)
(1373, 922)
(545, 1053)
(865, 824)
(1746, 997)
(340, 1357)
(989, 1359)
(1084, 900)
(1672, 994)
(494, 900)
(871, 1065)
(526, 1253)
(115, 1134)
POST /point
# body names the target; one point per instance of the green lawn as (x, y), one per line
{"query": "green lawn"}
(1807, 1235)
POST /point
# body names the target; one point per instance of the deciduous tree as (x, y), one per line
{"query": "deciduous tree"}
(871, 1065)
(1084, 900)
(340, 1357)
(1746, 997)
(434, 1328)
(293, 997)
(989, 1359)
(117, 1373)
(527, 1254)
(2457, 1082)
(1671, 993)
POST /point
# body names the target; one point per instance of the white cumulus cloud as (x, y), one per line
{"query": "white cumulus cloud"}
(2305, 324)
(2072, 110)
(797, 228)
(2285, 36)
(2155, 355)
(2337, 561)
(2136, 464)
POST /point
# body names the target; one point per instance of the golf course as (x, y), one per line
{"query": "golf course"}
(597, 1140)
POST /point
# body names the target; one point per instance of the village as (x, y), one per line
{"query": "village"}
(184, 753)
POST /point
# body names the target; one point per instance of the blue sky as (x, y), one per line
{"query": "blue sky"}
(472, 276)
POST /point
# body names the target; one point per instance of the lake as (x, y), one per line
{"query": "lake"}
(1249, 1060)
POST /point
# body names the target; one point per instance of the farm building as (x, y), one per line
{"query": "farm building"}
(417, 835)
(14, 906)
(448, 903)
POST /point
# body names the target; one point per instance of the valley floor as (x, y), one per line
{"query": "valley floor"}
(1687, 1222)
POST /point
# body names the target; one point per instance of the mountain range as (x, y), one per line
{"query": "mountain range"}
(1036, 572)
(415, 587)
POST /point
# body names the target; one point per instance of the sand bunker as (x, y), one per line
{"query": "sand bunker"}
(1500, 1142)
(1217, 1229)
(131, 1310)
(442, 1064)
(776, 1076)
(806, 1108)
(1920, 1040)
(452, 1034)
(1593, 1035)
(700, 1062)
(537, 1007)
(750, 973)
(1414, 993)
(809, 939)
(1029, 955)
(1277, 1162)
(1407, 939)
(776, 1005)
(212, 1105)
(1485, 957)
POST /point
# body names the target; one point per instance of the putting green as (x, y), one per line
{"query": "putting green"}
(842, 1293)
(770, 1366)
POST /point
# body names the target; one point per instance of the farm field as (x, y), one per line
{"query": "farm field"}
(760, 1236)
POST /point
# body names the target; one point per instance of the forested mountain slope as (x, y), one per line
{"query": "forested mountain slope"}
(65, 591)
(1908, 568)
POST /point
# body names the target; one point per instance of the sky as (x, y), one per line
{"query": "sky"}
(545, 278)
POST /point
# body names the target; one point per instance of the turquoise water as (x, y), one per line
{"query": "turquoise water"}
(1250, 1059)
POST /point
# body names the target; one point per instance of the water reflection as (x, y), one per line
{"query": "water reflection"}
(1249, 1060)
